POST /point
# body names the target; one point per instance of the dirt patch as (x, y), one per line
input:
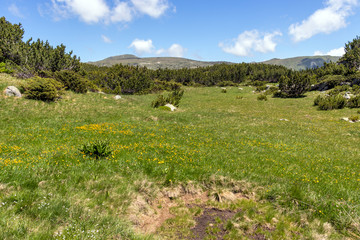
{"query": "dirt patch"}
(212, 223)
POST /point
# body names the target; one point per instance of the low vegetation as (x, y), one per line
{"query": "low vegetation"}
(82, 164)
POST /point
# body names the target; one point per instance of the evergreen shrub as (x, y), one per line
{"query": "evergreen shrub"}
(44, 89)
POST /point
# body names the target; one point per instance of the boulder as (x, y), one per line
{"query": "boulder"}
(172, 107)
(117, 97)
(12, 91)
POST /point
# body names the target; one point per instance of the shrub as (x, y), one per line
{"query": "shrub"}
(354, 118)
(294, 85)
(272, 90)
(4, 69)
(354, 102)
(330, 102)
(44, 89)
(159, 101)
(173, 98)
(338, 89)
(223, 90)
(262, 97)
(72, 81)
(261, 88)
(97, 149)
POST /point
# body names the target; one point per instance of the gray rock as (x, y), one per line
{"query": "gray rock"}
(172, 107)
(117, 97)
(12, 91)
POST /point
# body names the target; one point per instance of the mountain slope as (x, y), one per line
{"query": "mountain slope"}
(300, 63)
(153, 62)
(296, 63)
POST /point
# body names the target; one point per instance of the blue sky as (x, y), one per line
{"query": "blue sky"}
(208, 30)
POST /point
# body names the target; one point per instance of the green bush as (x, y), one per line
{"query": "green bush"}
(4, 69)
(294, 85)
(330, 102)
(223, 90)
(159, 101)
(173, 98)
(262, 97)
(72, 81)
(44, 89)
(354, 102)
(97, 149)
(338, 89)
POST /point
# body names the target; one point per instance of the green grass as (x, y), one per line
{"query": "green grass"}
(307, 166)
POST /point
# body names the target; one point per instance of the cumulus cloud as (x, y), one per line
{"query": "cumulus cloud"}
(95, 11)
(175, 50)
(250, 41)
(325, 20)
(106, 39)
(153, 8)
(122, 13)
(333, 52)
(142, 46)
(14, 10)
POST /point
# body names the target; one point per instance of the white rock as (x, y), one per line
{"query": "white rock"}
(241, 88)
(12, 91)
(117, 97)
(172, 107)
(284, 119)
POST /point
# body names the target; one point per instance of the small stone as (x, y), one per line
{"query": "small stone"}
(12, 91)
(284, 119)
(117, 97)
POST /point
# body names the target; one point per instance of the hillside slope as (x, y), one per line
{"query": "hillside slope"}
(301, 63)
(153, 62)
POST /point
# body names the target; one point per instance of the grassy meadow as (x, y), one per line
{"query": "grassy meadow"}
(296, 168)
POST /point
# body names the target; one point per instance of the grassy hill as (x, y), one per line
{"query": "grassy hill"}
(153, 62)
(227, 157)
(301, 63)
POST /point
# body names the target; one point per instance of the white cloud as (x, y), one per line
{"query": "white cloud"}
(250, 41)
(325, 20)
(89, 11)
(175, 50)
(153, 8)
(122, 13)
(142, 46)
(14, 10)
(333, 52)
(106, 39)
(95, 11)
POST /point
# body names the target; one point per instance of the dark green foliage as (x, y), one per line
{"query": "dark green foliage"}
(97, 149)
(173, 98)
(330, 102)
(72, 81)
(272, 90)
(165, 86)
(261, 88)
(44, 89)
(226, 84)
(262, 97)
(351, 58)
(354, 102)
(158, 102)
(338, 89)
(294, 84)
(223, 90)
(32, 56)
(11, 44)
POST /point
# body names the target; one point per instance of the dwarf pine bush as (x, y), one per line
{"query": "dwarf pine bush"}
(44, 89)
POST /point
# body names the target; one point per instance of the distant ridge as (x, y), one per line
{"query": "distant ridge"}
(154, 62)
(296, 63)
(302, 63)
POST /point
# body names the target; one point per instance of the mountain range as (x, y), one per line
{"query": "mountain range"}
(296, 63)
